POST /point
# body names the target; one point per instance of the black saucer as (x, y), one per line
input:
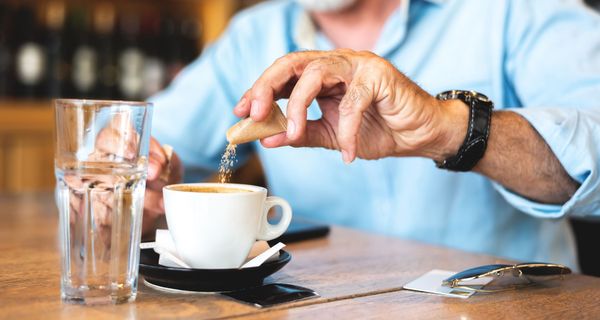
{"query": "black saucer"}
(207, 280)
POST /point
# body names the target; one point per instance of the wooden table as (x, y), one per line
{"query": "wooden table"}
(358, 275)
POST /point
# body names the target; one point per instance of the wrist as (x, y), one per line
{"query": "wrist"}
(452, 126)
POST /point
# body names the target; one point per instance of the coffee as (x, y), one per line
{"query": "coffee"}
(203, 189)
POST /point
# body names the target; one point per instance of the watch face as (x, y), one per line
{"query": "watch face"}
(463, 95)
(480, 114)
(480, 96)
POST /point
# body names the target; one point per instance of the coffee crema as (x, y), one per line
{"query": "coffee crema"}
(204, 189)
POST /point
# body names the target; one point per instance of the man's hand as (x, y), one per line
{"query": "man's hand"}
(370, 110)
(115, 142)
(158, 164)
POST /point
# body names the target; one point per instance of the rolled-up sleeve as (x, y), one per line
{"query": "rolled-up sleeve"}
(553, 64)
(574, 137)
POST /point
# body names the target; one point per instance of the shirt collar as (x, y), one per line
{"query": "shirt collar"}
(306, 35)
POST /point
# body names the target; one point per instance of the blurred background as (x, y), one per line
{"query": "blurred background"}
(114, 49)
(96, 49)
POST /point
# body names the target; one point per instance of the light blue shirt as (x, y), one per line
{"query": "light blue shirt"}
(540, 58)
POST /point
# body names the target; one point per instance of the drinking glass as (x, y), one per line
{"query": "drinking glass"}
(101, 159)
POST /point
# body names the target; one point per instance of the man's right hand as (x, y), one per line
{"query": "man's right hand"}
(158, 165)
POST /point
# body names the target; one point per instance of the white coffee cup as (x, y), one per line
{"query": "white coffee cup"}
(217, 230)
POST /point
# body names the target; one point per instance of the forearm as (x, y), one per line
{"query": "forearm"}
(519, 159)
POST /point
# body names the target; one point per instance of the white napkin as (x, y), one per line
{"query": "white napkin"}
(431, 282)
(165, 247)
(168, 257)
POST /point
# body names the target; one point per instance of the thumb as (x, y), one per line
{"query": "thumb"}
(318, 134)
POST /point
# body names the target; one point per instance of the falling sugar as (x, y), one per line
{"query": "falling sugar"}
(227, 161)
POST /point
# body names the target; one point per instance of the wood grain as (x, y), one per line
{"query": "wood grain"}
(575, 298)
(358, 275)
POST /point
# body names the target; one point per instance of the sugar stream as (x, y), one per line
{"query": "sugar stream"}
(227, 161)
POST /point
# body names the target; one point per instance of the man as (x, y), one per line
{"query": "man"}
(539, 59)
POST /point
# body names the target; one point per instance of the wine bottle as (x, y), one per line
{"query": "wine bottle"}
(154, 70)
(30, 56)
(130, 58)
(104, 28)
(190, 38)
(172, 47)
(83, 56)
(55, 51)
(5, 51)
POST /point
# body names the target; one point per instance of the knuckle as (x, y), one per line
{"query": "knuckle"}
(294, 56)
(346, 108)
(378, 63)
(367, 54)
(357, 94)
(284, 59)
(371, 61)
(355, 99)
(344, 51)
(316, 66)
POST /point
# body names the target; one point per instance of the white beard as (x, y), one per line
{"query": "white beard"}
(325, 5)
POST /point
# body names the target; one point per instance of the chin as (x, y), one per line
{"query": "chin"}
(326, 5)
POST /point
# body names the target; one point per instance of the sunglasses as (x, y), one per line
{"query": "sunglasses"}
(519, 275)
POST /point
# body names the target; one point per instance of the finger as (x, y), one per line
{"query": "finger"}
(102, 204)
(176, 169)
(118, 138)
(354, 103)
(278, 140)
(276, 79)
(157, 160)
(242, 108)
(317, 135)
(175, 172)
(319, 74)
(153, 202)
(156, 184)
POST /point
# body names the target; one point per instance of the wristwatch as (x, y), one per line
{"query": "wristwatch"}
(475, 143)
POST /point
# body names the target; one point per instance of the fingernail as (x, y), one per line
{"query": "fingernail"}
(161, 205)
(254, 108)
(346, 157)
(291, 129)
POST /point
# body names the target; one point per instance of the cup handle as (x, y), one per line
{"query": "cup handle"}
(268, 231)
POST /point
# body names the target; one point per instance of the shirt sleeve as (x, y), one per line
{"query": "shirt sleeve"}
(194, 112)
(553, 66)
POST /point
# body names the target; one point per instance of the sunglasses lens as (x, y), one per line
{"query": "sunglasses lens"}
(521, 275)
(544, 271)
(474, 272)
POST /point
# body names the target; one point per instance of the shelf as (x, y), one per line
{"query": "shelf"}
(22, 116)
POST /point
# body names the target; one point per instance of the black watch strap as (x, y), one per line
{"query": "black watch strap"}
(478, 131)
